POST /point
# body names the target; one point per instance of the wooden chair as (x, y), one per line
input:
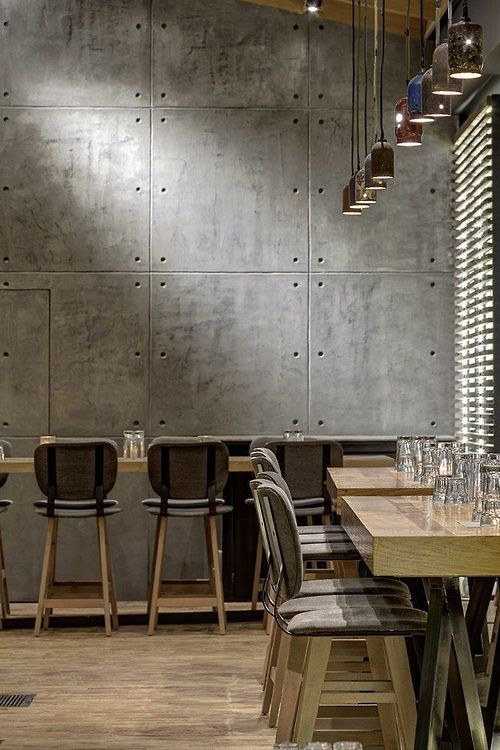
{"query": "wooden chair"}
(303, 465)
(189, 476)
(4, 505)
(315, 680)
(76, 477)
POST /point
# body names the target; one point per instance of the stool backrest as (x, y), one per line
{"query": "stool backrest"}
(304, 464)
(283, 538)
(76, 470)
(7, 451)
(264, 459)
(187, 469)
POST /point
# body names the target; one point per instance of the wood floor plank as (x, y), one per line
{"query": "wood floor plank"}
(188, 687)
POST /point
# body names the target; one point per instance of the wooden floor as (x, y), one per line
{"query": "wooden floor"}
(186, 687)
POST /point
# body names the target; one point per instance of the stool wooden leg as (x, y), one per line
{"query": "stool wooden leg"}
(406, 707)
(4, 589)
(42, 594)
(269, 650)
(279, 678)
(494, 636)
(52, 573)
(386, 711)
(153, 557)
(103, 556)
(256, 572)
(312, 686)
(112, 588)
(219, 591)
(156, 573)
(269, 682)
(291, 691)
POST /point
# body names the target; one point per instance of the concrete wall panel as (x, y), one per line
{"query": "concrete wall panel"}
(230, 190)
(381, 354)
(75, 189)
(24, 362)
(228, 54)
(99, 353)
(73, 53)
(409, 229)
(229, 352)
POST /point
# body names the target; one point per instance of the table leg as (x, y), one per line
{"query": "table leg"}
(493, 703)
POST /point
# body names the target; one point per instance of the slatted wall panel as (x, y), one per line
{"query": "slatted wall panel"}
(473, 208)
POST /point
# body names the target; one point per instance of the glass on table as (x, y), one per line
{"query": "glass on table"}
(287, 435)
(287, 746)
(128, 442)
(440, 486)
(47, 439)
(419, 445)
(298, 435)
(347, 746)
(490, 515)
(429, 468)
(2, 453)
(139, 444)
(404, 453)
(318, 746)
(456, 493)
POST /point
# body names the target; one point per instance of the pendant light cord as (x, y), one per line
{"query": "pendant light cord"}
(465, 11)
(358, 30)
(438, 23)
(450, 12)
(353, 85)
(375, 68)
(382, 75)
(408, 43)
(422, 49)
(365, 42)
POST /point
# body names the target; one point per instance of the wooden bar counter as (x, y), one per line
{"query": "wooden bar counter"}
(375, 481)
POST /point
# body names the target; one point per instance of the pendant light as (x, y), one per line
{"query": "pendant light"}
(364, 195)
(407, 133)
(442, 83)
(349, 206)
(369, 181)
(465, 47)
(434, 105)
(313, 6)
(382, 151)
(414, 93)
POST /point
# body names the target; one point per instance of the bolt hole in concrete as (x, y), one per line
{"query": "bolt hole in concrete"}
(6, 187)
(136, 423)
(433, 260)
(296, 354)
(295, 121)
(163, 355)
(321, 284)
(138, 190)
(295, 96)
(6, 283)
(321, 27)
(321, 260)
(164, 190)
(295, 26)
(6, 354)
(6, 259)
(321, 354)
(137, 283)
(163, 260)
(321, 122)
(5, 23)
(162, 423)
(295, 283)
(320, 96)
(6, 119)
(138, 26)
(163, 284)
(137, 259)
(295, 190)
(137, 354)
(164, 119)
(138, 94)
(295, 421)
(295, 260)
(5, 424)
(433, 353)
(164, 25)
(137, 119)
(321, 191)
(320, 422)
(433, 284)
(6, 93)
(433, 423)
(163, 95)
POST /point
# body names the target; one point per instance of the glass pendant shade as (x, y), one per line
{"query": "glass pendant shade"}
(441, 81)
(353, 203)
(407, 133)
(433, 105)
(346, 208)
(414, 97)
(363, 194)
(465, 49)
(369, 181)
(382, 160)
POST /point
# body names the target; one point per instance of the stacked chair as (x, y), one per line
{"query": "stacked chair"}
(342, 669)
(4, 505)
(303, 465)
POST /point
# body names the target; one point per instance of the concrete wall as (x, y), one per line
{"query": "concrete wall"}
(173, 254)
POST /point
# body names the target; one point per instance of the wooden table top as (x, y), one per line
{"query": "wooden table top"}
(375, 481)
(412, 536)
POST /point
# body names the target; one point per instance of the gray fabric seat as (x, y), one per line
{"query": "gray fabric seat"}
(77, 509)
(181, 509)
(364, 621)
(330, 551)
(353, 586)
(4, 505)
(342, 601)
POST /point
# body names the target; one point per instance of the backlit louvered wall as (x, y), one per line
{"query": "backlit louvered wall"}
(474, 206)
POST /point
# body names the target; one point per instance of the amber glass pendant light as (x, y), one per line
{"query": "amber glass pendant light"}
(434, 105)
(382, 152)
(407, 133)
(442, 83)
(349, 206)
(367, 166)
(414, 92)
(465, 47)
(364, 194)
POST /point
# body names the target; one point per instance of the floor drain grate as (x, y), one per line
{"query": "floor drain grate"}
(19, 700)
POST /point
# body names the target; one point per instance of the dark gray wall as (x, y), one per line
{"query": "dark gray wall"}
(172, 247)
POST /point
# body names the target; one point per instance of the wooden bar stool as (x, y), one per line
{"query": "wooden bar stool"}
(303, 465)
(189, 476)
(76, 477)
(4, 505)
(315, 681)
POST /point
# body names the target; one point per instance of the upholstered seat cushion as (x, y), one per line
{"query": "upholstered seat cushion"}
(344, 601)
(308, 502)
(186, 508)
(322, 538)
(4, 504)
(362, 621)
(321, 529)
(309, 510)
(354, 586)
(330, 551)
(80, 513)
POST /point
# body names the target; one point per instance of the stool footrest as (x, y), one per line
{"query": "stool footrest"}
(77, 594)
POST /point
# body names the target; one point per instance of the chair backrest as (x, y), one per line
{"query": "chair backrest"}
(7, 451)
(264, 459)
(76, 470)
(283, 538)
(187, 469)
(304, 464)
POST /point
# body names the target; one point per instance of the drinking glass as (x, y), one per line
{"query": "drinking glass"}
(404, 452)
(44, 439)
(298, 435)
(347, 746)
(2, 453)
(456, 493)
(429, 466)
(128, 443)
(491, 506)
(318, 746)
(445, 458)
(419, 444)
(287, 434)
(440, 486)
(287, 746)
(139, 443)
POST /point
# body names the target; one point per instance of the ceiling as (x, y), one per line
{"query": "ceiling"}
(340, 10)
